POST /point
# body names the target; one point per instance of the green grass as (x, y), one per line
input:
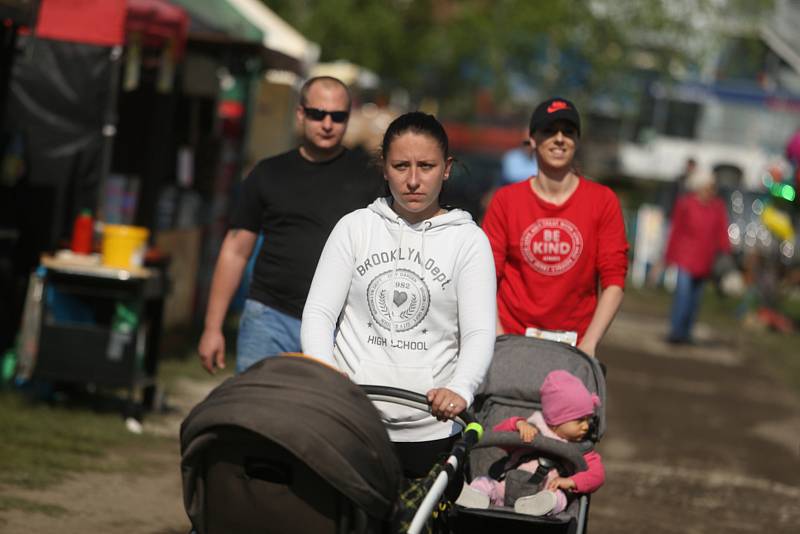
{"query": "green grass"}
(43, 443)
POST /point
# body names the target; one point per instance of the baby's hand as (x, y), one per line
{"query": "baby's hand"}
(561, 483)
(526, 431)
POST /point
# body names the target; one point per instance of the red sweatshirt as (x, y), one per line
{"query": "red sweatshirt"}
(699, 231)
(550, 258)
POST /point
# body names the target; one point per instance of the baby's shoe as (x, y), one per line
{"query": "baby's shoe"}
(472, 498)
(538, 504)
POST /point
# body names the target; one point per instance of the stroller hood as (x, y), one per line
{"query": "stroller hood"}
(312, 411)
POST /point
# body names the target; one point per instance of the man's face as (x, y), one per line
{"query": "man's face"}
(324, 133)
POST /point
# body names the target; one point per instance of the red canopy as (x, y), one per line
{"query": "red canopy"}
(157, 21)
(98, 22)
(106, 22)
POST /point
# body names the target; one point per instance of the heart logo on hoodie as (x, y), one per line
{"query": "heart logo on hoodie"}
(399, 298)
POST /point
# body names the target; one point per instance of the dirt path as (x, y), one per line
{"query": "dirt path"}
(700, 440)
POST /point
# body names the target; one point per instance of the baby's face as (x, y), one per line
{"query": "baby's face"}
(574, 430)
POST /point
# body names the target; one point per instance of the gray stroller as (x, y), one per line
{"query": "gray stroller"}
(511, 388)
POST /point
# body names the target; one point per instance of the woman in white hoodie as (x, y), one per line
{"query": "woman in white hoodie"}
(404, 295)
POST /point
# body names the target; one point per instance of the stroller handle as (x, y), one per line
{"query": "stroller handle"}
(453, 467)
(411, 399)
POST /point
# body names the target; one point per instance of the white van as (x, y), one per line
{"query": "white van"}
(739, 134)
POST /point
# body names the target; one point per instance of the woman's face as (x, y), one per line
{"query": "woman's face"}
(415, 168)
(555, 145)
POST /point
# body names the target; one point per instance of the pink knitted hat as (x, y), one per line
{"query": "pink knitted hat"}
(565, 398)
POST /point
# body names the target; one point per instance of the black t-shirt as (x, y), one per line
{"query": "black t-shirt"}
(296, 203)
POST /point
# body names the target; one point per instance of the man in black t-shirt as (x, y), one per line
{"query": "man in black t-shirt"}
(294, 199)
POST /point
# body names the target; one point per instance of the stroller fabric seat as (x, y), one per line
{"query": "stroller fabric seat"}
(290, 442)
(512, 388)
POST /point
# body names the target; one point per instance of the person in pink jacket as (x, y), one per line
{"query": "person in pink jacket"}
(566, 409)
(698, 234)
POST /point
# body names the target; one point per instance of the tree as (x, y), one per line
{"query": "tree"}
(450, 49)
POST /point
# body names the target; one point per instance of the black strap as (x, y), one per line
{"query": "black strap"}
(539, 475)
(497, 470)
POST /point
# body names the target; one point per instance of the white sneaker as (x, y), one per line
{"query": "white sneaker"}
(472, 498)
(538, 504)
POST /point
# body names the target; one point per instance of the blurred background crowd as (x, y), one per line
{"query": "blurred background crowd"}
(149, 113)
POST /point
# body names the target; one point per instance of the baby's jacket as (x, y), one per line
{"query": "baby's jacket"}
(587, 481)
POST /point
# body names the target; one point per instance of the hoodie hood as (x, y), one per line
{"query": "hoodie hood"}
(454, 217)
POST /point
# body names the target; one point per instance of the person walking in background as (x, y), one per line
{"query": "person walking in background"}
(294, 199)
(669, 196)
(558, 241)
(518, 164)
(678, 187)
(793, 149)
(699, 232)
(404, 295)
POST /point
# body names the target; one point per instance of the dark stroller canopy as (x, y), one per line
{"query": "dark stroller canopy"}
(311, 410)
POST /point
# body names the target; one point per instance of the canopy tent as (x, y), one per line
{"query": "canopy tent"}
(96, 22)
(278, 34)
(218, 17)
(158, 21)
(62, 96)
(251, 28)
(107, 22)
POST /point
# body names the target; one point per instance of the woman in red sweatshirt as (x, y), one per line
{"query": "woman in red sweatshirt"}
(558, 240)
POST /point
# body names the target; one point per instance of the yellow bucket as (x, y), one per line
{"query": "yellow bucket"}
(124, 246)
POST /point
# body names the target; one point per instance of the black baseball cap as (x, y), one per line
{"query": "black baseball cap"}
(552, 110)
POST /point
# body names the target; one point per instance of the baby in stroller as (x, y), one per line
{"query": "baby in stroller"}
(567, 407)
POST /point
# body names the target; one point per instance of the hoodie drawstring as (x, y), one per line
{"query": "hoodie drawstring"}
(425, 227)
(394, 274)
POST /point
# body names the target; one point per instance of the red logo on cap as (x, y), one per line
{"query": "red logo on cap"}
(557, 105)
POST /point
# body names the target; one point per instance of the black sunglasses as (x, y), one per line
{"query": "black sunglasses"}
(566, 129)
(319, 114)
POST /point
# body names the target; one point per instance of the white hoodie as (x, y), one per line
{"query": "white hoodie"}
(406, 306)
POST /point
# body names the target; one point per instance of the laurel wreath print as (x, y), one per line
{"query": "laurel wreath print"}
(384, 309)
(411, 310)
(404, 315)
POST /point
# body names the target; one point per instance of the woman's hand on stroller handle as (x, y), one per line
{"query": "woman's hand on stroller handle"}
(417, 401)
(445, 403)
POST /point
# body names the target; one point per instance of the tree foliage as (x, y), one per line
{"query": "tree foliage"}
(449, 49)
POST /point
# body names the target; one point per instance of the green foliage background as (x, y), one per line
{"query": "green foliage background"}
(449, 49)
